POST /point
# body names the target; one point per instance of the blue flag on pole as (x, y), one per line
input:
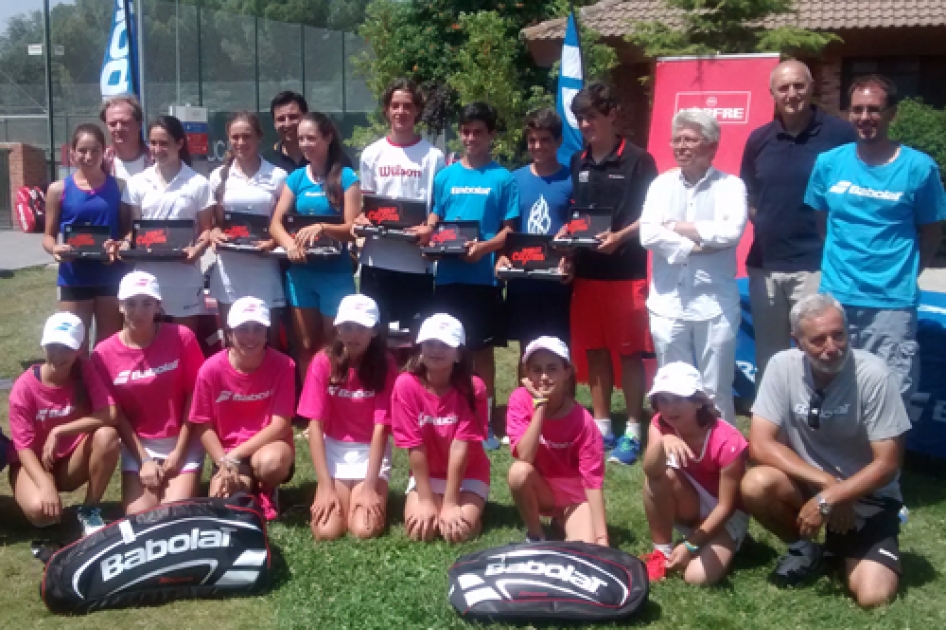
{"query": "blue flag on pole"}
(570, 80)
(120, 65)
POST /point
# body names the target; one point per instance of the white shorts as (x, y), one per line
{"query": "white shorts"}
(439, 486)
(737, 526)
(349, 460)
(161, 448)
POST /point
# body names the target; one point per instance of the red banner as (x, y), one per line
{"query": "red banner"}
(734, 88)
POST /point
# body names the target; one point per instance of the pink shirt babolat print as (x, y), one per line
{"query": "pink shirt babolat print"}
(240, 405)
(151, 385)
(36, 408)
(570, 447)
(348, 412)
(421, 418)
(724, 444)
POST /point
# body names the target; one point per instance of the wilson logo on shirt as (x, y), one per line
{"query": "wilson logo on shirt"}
(60, 412)
(136, 375)
(399, 171)
(227, 395)
(424, 419)
(358, 394)
(846, 187)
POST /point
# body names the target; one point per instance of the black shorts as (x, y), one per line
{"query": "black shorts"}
(532, 314)
(481, 310)
(877, 540)
(401, 297)
(83, 294)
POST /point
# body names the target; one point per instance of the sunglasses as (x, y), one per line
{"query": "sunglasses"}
(814, 409)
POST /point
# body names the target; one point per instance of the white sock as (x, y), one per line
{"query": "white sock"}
(604, 425)
(633, 430)
(666, 550)
(489, 416)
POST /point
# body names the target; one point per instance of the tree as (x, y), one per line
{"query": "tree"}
(706, 27)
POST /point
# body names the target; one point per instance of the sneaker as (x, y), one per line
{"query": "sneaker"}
(531, 540)
(626, 451)
(505, 441)
(491, 443)
(609, 441)
(656, 563)
(90, 518)
(269, 503)
(798, 566)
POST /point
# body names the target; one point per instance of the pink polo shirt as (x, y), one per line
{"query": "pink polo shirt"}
(349, 411)
(151, 385)
(240, 405)
(36, 408)
(421, 418)
(724, 444)
(570, 447)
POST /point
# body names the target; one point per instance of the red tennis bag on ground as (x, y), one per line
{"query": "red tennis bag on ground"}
(549, 580)
(199, 548)
(30, 208)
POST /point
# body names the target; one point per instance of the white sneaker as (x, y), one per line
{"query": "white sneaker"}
(91, 519)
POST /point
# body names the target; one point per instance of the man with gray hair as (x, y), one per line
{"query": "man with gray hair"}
(785, 259)
(127, 154)
(826, 440)
(692, 220)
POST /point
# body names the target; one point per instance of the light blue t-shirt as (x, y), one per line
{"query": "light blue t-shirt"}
(311, 200)
(872, 251)
(488, 195)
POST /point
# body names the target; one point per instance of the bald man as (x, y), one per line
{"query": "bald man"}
(785, 260)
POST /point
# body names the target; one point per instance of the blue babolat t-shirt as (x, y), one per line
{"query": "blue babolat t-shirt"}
(488, 195)
(872, 251)
(311, 200)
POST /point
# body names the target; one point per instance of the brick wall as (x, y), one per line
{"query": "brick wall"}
(27, 168)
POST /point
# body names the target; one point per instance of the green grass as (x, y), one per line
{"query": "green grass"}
(390, 583)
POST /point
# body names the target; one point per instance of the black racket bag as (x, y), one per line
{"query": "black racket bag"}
(199, 548)
(566, 581)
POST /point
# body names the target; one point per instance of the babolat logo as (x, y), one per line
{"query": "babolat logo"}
(845, 187)
(134, 375)
(152, 549)
(469, 190)
(226, 395)
(553, 570)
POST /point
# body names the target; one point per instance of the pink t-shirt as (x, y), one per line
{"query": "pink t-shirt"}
(421, 418)
(348, 412)
(151, 385)
(569, 447)
(240, 405)
(36, 408)
(724, 444)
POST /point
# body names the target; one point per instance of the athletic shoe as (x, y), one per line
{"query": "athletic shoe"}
(609, 442)
(626, 451)
(531, 540)
(505, 441)
(656, 563)
(491, 443)
(269, 503)
(90, 518)
(798, 565)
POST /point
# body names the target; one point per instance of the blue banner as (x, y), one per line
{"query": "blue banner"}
(120, 65)
(570, 81)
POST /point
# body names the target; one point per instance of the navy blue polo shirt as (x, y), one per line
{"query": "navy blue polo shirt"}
(278, 157)
(776, 167)
(620, 181)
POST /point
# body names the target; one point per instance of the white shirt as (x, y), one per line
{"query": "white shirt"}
(694, 287)
(124, 171)
(402, 172)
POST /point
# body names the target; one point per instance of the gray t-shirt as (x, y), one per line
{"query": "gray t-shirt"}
(861, 405)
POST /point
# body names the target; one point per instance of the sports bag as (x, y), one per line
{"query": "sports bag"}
(197, 548)
(30, 209)
(549, 580)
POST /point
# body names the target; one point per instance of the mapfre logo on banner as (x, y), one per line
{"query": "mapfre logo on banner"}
(727, 107)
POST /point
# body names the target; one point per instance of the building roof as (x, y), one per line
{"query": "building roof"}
(612, 18)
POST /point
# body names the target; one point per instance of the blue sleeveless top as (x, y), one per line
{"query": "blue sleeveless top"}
(96, 207)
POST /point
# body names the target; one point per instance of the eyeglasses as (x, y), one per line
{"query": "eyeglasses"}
(681, 141)
(871, 110)
(815, 408)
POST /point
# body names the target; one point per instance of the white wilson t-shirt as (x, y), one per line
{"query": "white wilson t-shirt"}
(239, 274)
(402, 172)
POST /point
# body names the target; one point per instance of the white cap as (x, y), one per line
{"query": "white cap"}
(358, 309)
(248, 309)
(139, 283)
(444, 328)
(553, 344)
(677, 378)
(64, 328)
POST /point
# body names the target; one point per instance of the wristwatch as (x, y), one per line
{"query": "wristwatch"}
(823, 506)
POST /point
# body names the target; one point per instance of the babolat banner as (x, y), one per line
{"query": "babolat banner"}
(120, 64)
(199, 548)
(564, 581)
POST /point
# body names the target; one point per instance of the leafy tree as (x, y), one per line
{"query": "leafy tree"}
(705, 27)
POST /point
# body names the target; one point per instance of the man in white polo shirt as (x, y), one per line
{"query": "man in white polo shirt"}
(692, 220)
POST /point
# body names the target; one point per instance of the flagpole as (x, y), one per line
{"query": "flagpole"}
(140, 45)
(571, 11)
(50, 124)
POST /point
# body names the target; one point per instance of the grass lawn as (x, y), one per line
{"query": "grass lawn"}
(391, 583)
